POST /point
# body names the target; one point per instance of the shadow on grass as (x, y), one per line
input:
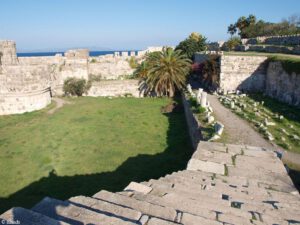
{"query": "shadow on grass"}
(139, 168)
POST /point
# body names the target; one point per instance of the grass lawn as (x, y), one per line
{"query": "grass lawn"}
(92, 144)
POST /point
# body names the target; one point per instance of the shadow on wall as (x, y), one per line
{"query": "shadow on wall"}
(139, 168)
(256, 82)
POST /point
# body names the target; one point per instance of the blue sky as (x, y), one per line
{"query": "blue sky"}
(126, 24)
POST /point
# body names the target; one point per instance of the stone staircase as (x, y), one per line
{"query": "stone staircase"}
(223, 184)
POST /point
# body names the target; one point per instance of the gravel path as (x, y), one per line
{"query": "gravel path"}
(238, 130)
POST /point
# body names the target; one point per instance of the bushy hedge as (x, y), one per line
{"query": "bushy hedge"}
(76, 87)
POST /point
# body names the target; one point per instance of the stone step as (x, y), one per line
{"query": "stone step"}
(208, 216)
(247, 203)
(23, 216)
(156, 221)
(253, 187)
(200, 209)
(69, 213)
(206, 166)
(211, 183)
(189, 219)
(106, 208)
(158, 211)
(249, 196)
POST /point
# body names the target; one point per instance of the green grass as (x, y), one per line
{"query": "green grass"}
(271, 107)
(92, 144)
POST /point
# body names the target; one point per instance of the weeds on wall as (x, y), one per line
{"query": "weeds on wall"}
(289, 64)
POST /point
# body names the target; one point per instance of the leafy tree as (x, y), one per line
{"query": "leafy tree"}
(194, 43)
(166, 71)
(76, 87)
(249, 27)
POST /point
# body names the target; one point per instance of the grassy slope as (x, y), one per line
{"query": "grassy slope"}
(269, 109)
(93, 144)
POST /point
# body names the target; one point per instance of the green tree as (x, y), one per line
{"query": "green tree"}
(166, 71)
(232, 43)
(250, 28)
(194, 43)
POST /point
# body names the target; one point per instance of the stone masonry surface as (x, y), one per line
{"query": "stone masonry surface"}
(223, 184)
(27, 83)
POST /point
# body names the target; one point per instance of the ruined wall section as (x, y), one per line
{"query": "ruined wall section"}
(243, 72)
(257, 74)
(274, 40)
(23, 88)
(115, 88)
(281, 85)
(111, 67)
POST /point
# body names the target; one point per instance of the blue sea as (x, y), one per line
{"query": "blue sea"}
(92, 53)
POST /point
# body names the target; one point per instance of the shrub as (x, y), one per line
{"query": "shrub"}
(211, 73)
(76, 87)
(193, 101)
(93, 61)
(201, 109)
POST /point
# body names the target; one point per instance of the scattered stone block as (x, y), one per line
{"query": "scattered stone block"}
(133, 186)
(232, 105)
(295, 137)
(219, 128)
(203, 101)
(210, 119)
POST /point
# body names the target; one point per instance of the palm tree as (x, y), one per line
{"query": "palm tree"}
(232, 29)
(167, 72)
(142, 70)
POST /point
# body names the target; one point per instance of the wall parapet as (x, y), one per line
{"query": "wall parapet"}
(192, 122)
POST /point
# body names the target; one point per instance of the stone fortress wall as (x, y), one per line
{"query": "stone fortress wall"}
(256, 73)
(288, 44)
(28, 83)
(273, 40)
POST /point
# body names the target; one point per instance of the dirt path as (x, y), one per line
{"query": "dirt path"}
(59, 103)
(238, 131)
